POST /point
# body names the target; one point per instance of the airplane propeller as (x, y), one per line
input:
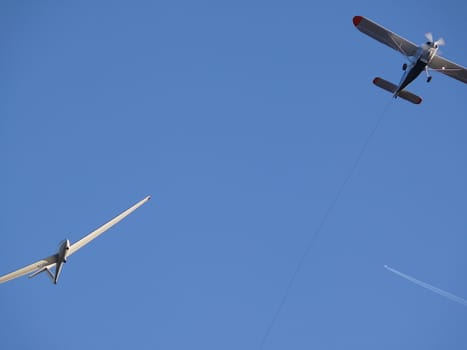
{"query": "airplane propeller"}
(429, 37)
(437, 43)
(440, 42)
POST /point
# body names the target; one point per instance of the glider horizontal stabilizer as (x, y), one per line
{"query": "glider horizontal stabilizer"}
(388, 86)
(44, 269)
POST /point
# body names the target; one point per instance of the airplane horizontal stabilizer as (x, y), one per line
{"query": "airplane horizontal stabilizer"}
(392, 88)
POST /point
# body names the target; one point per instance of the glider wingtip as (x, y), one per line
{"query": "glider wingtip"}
(356, 20)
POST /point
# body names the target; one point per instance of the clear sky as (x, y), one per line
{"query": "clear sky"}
(241, 119)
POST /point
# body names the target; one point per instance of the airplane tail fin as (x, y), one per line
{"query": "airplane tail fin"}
(44, 269)
(392, 88)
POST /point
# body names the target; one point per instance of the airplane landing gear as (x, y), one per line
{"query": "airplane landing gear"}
(428, 76)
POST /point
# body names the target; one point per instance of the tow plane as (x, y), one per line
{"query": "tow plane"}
(65, 250)
(421, 58)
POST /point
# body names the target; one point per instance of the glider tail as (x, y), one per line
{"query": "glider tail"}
(392, 88)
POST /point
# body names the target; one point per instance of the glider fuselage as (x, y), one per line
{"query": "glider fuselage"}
(62, 254)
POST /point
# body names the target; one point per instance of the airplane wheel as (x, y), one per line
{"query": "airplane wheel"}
(404, 66)
(428, 79)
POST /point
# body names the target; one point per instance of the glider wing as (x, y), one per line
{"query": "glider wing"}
(38, 265)
(385, 36)
(85, 240)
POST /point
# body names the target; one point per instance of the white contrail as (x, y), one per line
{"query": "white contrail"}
(441, 292)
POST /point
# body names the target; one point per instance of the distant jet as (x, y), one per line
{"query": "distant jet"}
(420, 58)
(425, 285)
(66, 249)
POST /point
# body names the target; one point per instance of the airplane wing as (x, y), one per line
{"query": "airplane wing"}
(49, 261)
(449, 68)
(85, 240)
(385, 36)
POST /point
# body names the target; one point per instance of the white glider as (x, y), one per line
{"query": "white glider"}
(66, 249)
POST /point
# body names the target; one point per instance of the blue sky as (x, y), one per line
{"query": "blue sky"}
(241, 119)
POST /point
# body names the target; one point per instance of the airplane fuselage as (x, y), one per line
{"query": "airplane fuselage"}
(411, 73)
(423, 57)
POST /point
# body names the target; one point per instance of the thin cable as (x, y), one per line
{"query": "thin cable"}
(321, 225)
